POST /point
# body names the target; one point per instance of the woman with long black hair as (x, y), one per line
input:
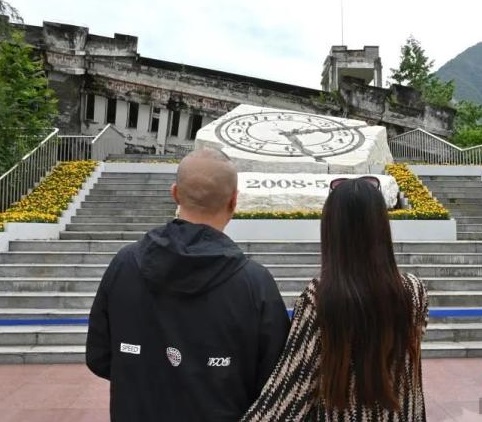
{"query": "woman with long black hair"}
(354, 349)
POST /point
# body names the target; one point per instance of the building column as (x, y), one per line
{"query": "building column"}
(100, 105)
(183, 126)
(335, 83)
(163, 128)
(377, 76)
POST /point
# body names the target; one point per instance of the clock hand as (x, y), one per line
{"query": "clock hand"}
(297, 144)
(319, 129)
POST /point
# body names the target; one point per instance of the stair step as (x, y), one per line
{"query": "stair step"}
(145, 197)
(109, 219)
(439, 349)
(436, 298)
(114, 235)
(154, 204)
(447, 284)
(40, 315)
(43, 335)
(94, 246)
(59, 258)
(52, 270)
(421, 270)
(454, 332)
(109, 227)
(453, 283)
(123, 194)
(126, 188)
(469, 236)
(460, 247)
(42, 354)
(136, 176)
(159, 213)
(49, 284)
(48, 300)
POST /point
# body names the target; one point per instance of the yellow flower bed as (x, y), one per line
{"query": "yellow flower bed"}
(278, 215)
(52, 196)
(424, 207)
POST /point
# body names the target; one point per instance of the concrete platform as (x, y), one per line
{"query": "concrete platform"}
(59, 393)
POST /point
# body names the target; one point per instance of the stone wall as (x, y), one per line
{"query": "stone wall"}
(68, 90)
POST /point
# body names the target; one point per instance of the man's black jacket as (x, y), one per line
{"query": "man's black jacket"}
(185, 327)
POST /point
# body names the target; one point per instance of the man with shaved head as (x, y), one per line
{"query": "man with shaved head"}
(184, 326)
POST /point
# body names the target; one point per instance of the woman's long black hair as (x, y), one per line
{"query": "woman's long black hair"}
(364, 311)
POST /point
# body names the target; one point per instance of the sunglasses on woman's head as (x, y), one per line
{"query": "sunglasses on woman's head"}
(374, 181)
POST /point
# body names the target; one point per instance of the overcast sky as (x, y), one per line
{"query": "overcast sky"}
(279, 40)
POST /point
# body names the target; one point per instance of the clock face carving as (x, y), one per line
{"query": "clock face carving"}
(290, 134)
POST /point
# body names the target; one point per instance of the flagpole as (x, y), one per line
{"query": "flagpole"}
(341, 9)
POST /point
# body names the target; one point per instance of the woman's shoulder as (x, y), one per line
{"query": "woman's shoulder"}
(412, 282)
(310, 291)
(307, 299)
(416, 288)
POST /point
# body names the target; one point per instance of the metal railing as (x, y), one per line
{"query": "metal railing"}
(420, 146)
(74, 147)
(29, 171)
(108, 141)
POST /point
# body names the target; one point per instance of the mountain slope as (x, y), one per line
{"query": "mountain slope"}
(466, 70)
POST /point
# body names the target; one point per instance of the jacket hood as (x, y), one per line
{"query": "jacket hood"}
(187, 258)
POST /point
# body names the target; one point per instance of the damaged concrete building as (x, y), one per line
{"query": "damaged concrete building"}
(160, 105)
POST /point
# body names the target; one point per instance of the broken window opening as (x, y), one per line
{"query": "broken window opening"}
(154, 126)
(111, 110)
(90, 107)
(133, 115)
(176, 117)
(196, 123)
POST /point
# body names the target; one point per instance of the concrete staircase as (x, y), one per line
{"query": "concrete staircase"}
(462, 196)
(47, 287)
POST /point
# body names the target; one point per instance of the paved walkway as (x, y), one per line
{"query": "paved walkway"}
(70, 393)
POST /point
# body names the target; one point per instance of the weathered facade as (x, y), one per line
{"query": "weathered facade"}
(398, 108)
(159, 104)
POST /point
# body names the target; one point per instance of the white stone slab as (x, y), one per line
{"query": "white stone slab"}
(309, 230)
(294, 192)
(285, 141)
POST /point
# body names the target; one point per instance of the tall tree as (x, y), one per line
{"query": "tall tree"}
(415, 71)
(468, 124)
(27, 105)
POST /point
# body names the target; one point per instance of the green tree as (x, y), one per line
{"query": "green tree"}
(27, 105)
(468, 124)
(415, 71)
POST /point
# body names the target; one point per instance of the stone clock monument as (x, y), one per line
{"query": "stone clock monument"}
(286, 158)
(271, 140)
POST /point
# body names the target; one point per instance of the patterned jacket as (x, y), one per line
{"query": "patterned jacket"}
(289, 394)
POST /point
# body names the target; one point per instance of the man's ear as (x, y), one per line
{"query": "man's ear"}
(233, 201)
(175, 193)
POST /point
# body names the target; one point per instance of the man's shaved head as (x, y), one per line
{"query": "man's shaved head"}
(206, 181)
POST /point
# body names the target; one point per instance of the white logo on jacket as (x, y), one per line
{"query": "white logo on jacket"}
(174, 356)
(133, 349)
(219, 361)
